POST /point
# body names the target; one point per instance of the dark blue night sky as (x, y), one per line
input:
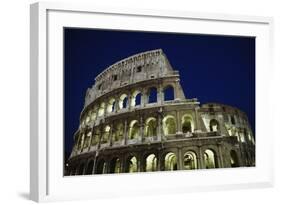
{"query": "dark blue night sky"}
(212, 68)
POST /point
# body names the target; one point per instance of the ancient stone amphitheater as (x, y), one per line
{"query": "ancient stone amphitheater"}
(136, 118)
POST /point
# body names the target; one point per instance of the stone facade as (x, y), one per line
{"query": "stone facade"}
(136, 118)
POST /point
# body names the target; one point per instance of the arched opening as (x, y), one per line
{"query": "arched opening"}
(169, 93)
(210, 159)
(150, 127)
(118, 134)
(187, 124)
(131, 164)
(134, 129)
(136, 98)
(105, 136)
(190, 160)
(115, 166)
(111, 105)
(152, 95)
(234, 159)
(87, 139)
(169, 125)
(97, 135)
(100, 167)
(214, 125)
(151, 163)
(101, 109)
(171, 161)
(123, 101)
(90, 167)
(81, 169)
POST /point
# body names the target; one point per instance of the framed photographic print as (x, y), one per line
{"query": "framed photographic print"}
(123, 97)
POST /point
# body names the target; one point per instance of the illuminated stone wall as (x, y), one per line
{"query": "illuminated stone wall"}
(136, 118)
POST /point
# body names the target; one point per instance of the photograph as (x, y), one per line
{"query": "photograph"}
(142, 101)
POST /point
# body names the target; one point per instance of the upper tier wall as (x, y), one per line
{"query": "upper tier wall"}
(139, 67)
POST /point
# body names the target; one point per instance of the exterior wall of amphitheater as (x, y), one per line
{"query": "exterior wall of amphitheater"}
(136, 118)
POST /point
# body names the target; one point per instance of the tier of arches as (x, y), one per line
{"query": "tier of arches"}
(170, 160)
(136, 129)
(129, 100)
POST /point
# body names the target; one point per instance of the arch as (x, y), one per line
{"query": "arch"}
(169, 125)
(151, 163)
(105, 136)
(234, 159)
(210, 159)
(100, 167)
(134, 129)
(171, 161)
(214, 125)
(151, 127)
(101, 109)
(136, 98)
(90, 167)
(111, 105)
(123, 101)
(187, 124)
(81, 169)
(189, 160)
(115, 165)
(169, 93)
(152, 95)
(131, 164)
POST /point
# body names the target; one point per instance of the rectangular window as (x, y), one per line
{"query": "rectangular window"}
(138, 69)
(114, 77)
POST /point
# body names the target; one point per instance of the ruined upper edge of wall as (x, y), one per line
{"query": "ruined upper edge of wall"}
(143, 66)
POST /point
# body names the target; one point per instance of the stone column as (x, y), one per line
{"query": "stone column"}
(178, 123)
(221, 158)
(128, 106)
(159, 127)
(95, 162)
(105, 108)
(160, 96)
(110, 134)
(121, 164)
(177, 89)
(144, 97)
(83, 140)
(116, 106)
(158, 161)
(139, 164)
(91, 137)
(201, 161)
(179, 159)
(125, 132)
(141, 129)
(100, 136)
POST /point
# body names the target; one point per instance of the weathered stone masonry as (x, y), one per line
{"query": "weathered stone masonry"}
(136, 118)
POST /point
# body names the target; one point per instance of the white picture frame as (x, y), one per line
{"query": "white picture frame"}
(46, 152)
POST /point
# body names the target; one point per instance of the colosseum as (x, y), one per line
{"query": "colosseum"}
(136, 118)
